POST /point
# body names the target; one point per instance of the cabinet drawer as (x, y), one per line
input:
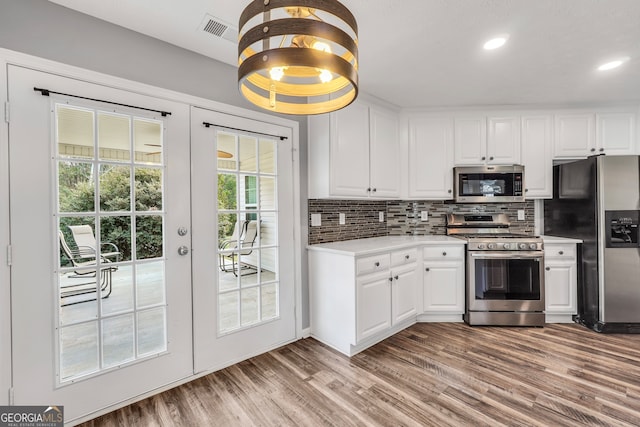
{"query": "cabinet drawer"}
(443, 252)
(372, 264)
(404, 257)
(559, 252)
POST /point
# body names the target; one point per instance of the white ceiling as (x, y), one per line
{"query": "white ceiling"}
(428, 53)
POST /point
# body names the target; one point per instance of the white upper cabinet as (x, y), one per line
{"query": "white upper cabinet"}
(349, 151)
(431, 157)
(616, 133)
(503, 142)
(470, 140)
(355, 153)
(536, 156)
(579, 135)
(384, 153)
(490, 141)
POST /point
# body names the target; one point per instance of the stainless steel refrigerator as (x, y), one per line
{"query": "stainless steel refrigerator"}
(598, 200)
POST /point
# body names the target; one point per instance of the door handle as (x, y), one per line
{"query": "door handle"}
(182, 231)
(183, 250)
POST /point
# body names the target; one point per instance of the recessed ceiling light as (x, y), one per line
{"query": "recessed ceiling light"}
(496, 42)
(613, 64)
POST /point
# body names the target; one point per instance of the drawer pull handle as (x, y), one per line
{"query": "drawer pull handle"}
(444, 254)
(548, 268)
(561, 253)
(377, 264)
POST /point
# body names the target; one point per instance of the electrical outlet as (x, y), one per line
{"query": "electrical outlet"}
(424, 216)
(316, 220)
(520, 214)
(381, 216)
(341, 219)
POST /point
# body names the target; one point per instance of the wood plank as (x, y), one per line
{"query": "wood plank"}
(431, 374)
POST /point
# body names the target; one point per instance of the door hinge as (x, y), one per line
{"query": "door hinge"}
(6, 111)
(9, 255)
(11, 398)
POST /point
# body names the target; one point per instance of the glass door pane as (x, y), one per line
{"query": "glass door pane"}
(112, 308)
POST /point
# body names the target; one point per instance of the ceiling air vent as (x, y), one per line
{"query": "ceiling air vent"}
(218, 28)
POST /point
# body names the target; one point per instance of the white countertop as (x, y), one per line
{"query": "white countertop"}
(371, 245)
(555, 239)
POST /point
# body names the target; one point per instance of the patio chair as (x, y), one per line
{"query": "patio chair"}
(86, 244)
(240, 246)
(85, 264)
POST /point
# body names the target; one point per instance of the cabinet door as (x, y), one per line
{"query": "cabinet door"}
(536, 156)
(560, 288)
(373, 296)
(503, 143)
(574, 135)
(384, 153)
(349, 151)
(431, 158)
(443, 284)
(470, 140)
(404, 293)
(616, 133)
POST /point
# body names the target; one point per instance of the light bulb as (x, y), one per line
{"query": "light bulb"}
(325, 76)
(276, 73)
(321, 46)
(613, 64)
(496, 42)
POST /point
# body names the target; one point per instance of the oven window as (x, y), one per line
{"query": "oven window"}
(507, 279)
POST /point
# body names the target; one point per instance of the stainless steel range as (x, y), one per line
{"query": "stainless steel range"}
(505, 271)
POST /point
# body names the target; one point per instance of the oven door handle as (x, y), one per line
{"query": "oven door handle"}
(508, 255)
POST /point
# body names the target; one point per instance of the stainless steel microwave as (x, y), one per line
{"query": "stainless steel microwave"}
(489, 184)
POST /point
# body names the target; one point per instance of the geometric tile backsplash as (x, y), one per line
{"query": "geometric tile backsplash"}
(401, 217)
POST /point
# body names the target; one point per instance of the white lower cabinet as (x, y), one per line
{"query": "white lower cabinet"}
(443, 284)
(560, 277)
(356, 302)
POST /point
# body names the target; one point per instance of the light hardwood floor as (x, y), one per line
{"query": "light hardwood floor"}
(427, 375)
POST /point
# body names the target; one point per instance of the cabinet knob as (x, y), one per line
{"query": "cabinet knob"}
(526, 190)
(602, 149)
(395, 277)
(374, 190)
(391, 279)
(449, 191)
(444, 254)
(407, 257)
(593, 149)
(547, 268)
(377, 264)
(426, 269)
(491, 158)
(368, 190)
(483, 158)
(561, 253)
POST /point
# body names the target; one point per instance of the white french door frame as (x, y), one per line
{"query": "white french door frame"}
(5, 277)
(9, 57)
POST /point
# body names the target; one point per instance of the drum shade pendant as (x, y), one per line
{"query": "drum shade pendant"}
(298, 56)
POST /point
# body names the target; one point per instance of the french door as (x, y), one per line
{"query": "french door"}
(243, 240)
(100, 234)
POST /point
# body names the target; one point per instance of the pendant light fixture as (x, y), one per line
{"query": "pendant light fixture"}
(298, 56)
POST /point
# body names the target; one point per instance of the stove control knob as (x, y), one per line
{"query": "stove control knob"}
(533, 246)
(491, 246)
(523, 246)
(481, 246)
(506, 246)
